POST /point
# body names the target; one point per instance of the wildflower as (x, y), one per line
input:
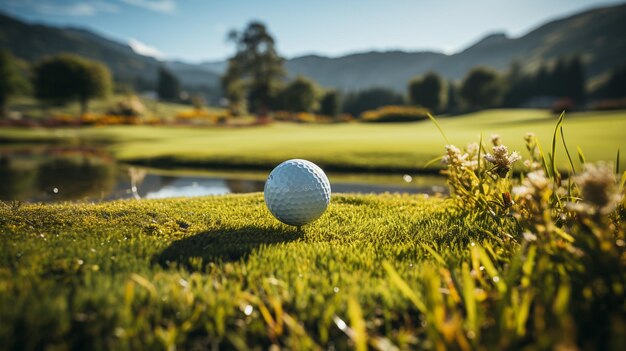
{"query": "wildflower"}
(472, 149)
(502, 160)
(532, 165)
(598, 187)
(453, 156)
(529, 137)
(495, 139)
(533, 185)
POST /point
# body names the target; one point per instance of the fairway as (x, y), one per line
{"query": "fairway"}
(349, 146)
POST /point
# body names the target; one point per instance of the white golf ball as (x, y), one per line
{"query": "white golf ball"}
(297, 192)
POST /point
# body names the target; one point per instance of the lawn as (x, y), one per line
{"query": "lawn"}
(184, 271)
(349, 146)
(536, 266)
(27, 106)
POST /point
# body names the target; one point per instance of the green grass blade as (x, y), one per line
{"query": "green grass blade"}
(491, 270)
(439, 127)
(359, 337)
(434, 253)
(544, 162)
(433, 161)
(469, 295)
(581, 156)
(553, 153)
(404, 287)
(569, 157)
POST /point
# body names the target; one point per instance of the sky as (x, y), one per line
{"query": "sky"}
(195, 30)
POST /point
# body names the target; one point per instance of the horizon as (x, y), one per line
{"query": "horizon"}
(90, 15)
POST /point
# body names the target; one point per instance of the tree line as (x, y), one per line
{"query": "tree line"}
(63, 78)
(255, 81)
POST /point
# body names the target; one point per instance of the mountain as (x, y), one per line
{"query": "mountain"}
(31, 42)
(597, 35)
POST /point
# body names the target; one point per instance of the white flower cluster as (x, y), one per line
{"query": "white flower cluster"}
(598, 187)
(533, 185)
(463, 160)
(502, 159)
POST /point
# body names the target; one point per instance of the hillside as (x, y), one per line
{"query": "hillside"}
(595, 34)
(31, 42)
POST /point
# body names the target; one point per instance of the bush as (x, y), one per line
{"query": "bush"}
(394, 114)
(131, 106)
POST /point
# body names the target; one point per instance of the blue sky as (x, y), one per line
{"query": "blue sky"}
(195, 30)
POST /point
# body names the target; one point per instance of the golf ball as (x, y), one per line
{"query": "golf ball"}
(297, 192)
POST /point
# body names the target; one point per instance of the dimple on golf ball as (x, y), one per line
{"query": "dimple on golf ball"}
(297, 192)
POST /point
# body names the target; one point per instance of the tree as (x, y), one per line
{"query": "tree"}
(70, 77)
(168, 86)
(429, 91)
(256, 69)
(331, 103)
(370, 99)
(11, 80)
(482, 88)
(453, 104)
(300, 95)
(575, 80)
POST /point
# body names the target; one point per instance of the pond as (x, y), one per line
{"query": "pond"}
(52, 174)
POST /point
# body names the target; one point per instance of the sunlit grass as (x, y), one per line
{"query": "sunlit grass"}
(395, 146)
(120, 274)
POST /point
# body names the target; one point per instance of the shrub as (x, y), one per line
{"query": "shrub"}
(395, 114)
(131, 106)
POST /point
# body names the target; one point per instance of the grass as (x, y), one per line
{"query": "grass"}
(538, 266)
(405, 147)
(183, 272)
(30, 107)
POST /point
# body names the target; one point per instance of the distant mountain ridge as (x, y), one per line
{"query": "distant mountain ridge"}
(596, 35)
(31, 42)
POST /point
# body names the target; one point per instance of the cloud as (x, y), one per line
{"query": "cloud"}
(53, 8)
(144, 49)
(163, 6)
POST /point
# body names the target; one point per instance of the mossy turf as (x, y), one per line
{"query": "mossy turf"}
(217, 271)
(406, 147)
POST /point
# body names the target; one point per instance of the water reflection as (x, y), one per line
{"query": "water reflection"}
(76, 178)
(45, 176)
(50, 175)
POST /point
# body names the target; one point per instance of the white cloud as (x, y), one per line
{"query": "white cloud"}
(163, 6)
(144, 49)
(77, 8)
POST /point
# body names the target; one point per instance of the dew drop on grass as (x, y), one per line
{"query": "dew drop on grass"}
(407, 178)
(472, 244)
(496, 279)
(248, 310)
(183, 283)
(336, 289)
(55, 190)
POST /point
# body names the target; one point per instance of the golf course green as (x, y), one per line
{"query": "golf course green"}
(346, 146)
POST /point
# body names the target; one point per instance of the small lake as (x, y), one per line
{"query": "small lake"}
(52, 174)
